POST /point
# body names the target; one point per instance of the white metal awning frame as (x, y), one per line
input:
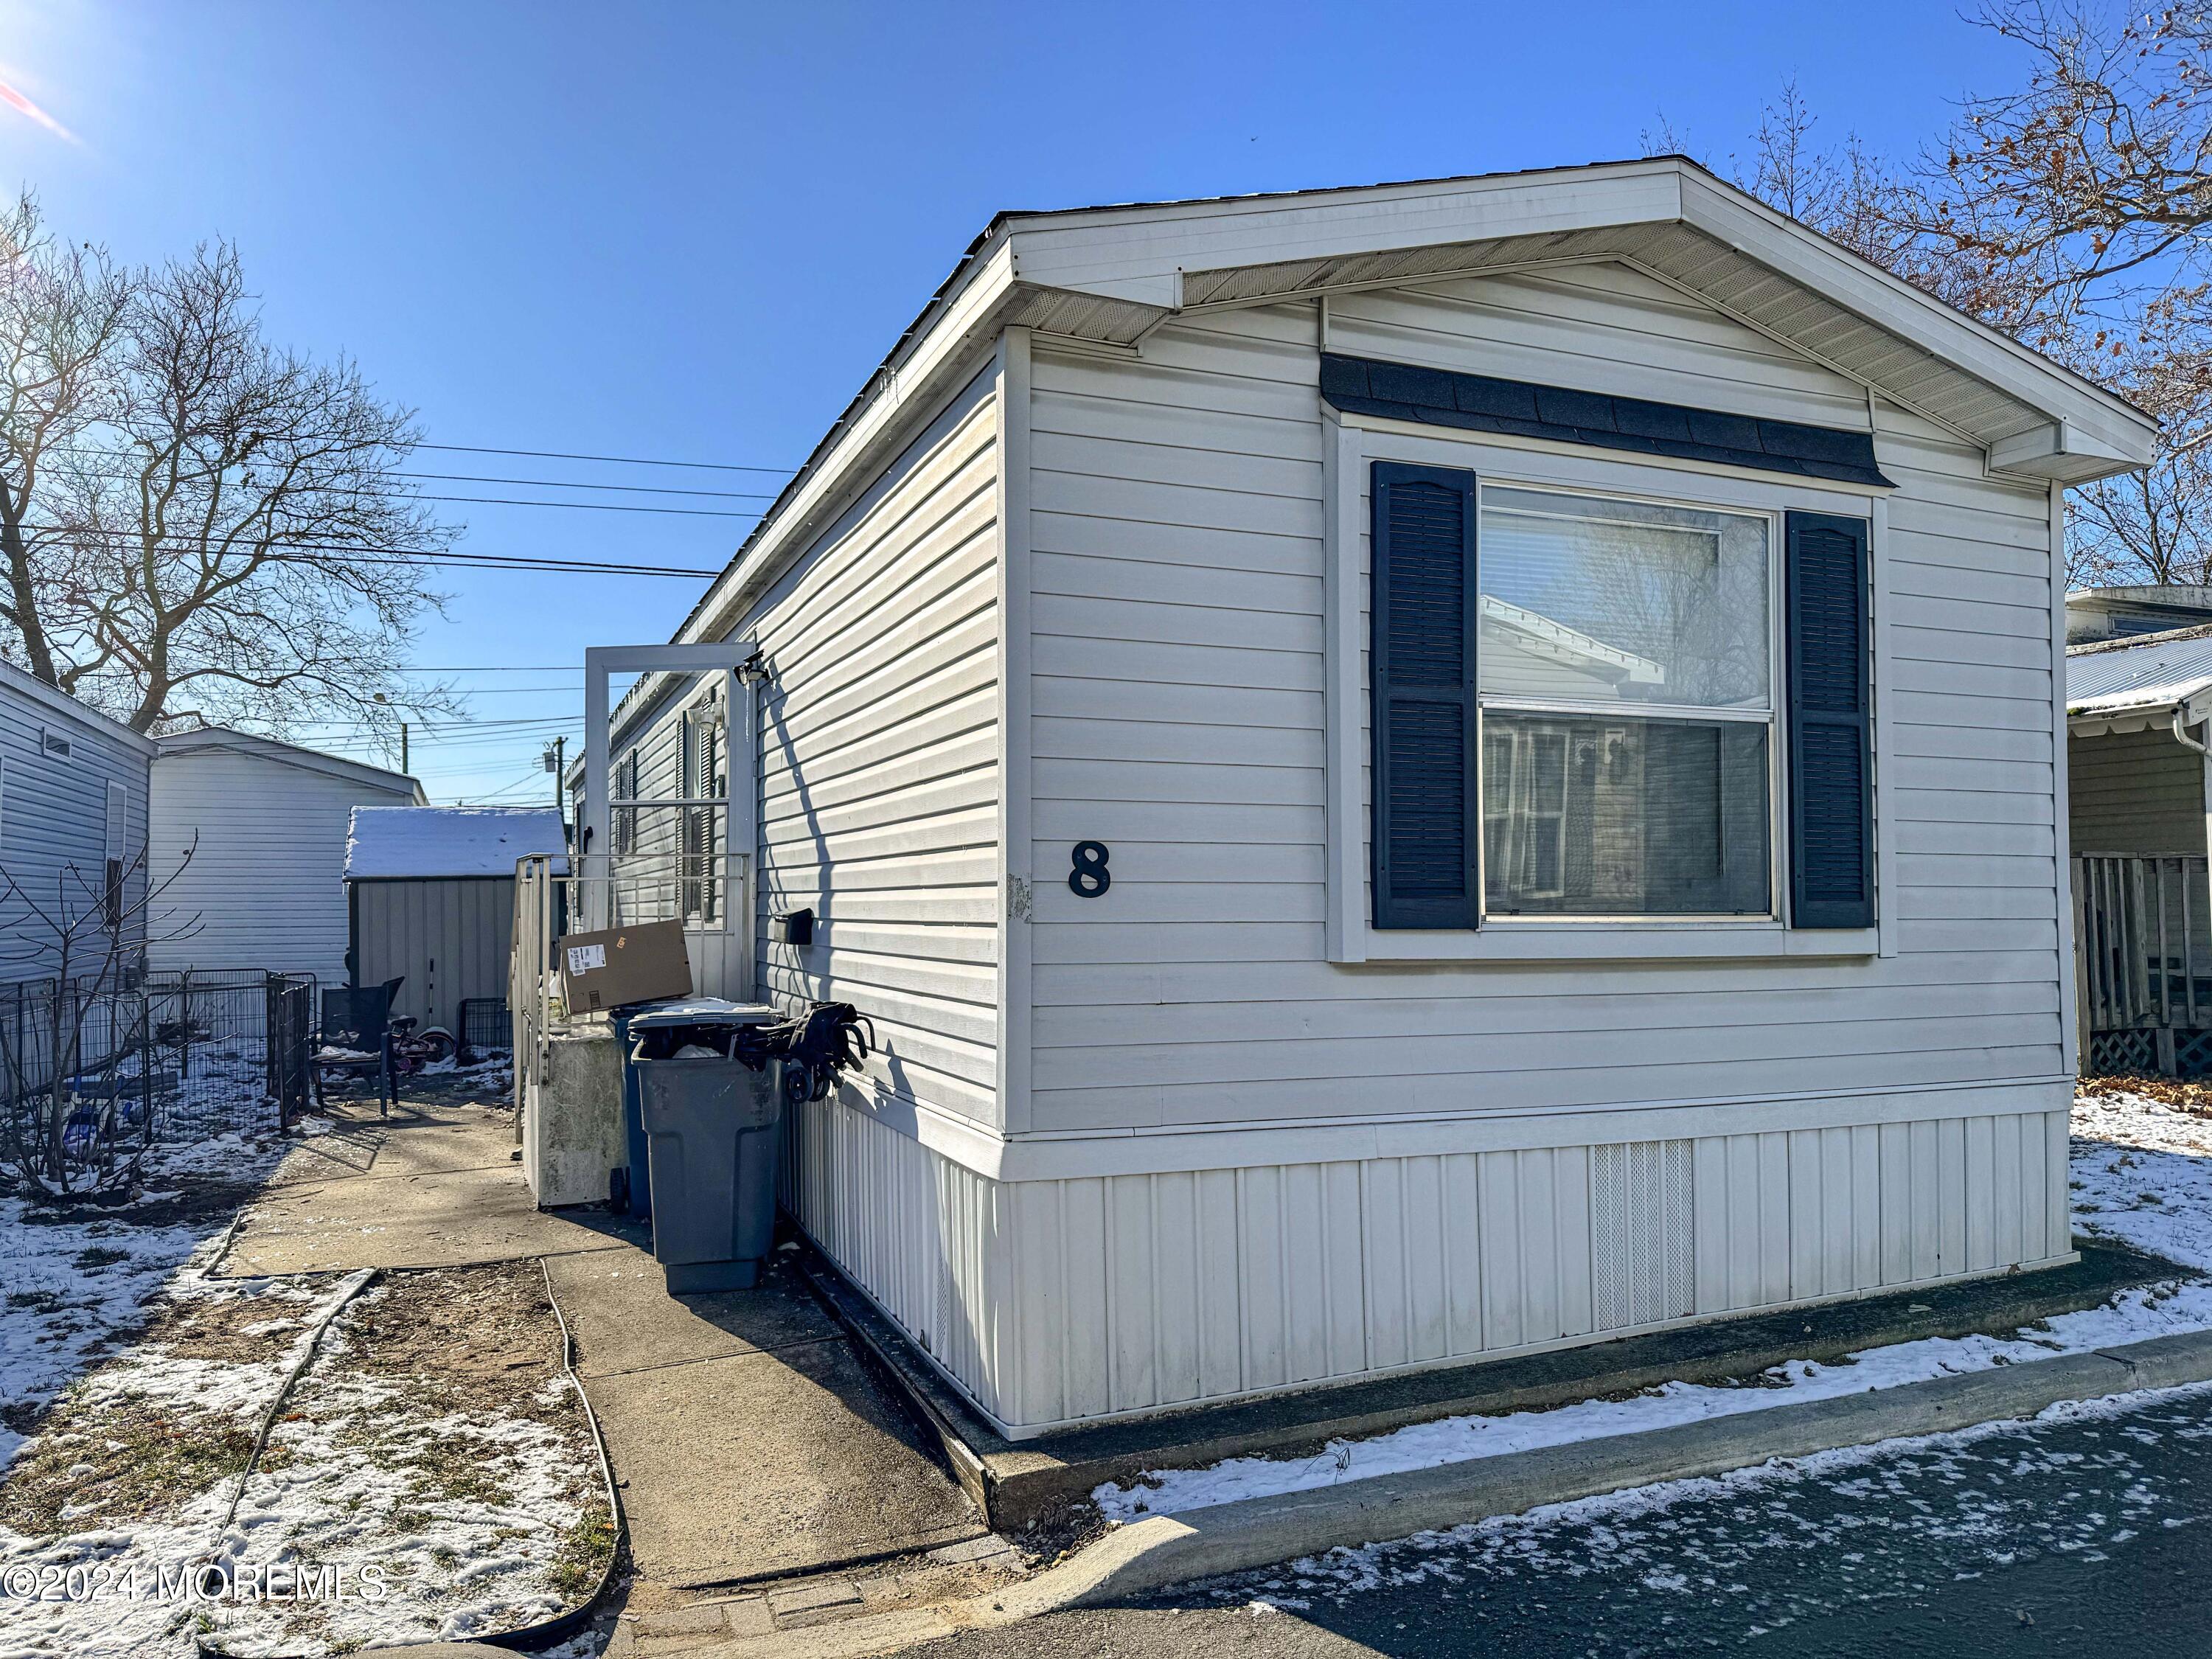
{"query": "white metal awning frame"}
(594, 837)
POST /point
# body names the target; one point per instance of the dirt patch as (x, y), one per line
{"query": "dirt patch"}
(468, 1339)
(183, 1201)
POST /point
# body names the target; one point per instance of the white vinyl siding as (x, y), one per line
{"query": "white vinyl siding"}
(61, 814)
(265, 887)
(1178, 692)
(878, 774)
(2136, 792)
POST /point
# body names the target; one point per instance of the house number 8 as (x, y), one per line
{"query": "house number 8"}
(1088, 879)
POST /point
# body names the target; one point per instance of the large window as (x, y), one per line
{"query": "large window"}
(1626, 679)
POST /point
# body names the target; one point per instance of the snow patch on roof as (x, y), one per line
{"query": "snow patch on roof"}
(423, 842)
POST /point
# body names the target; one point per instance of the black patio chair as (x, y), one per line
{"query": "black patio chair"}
(355, 1038)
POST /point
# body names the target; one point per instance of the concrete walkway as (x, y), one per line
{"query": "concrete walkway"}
(750, 1438)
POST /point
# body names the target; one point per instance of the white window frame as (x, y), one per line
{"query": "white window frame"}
(1352, 444)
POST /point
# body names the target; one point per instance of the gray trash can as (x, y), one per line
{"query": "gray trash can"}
(713, 1131)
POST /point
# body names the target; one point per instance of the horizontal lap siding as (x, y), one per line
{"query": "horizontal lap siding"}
(1178, 717)
(878, 782)
(53, 821)
(880, 770)
(265, 886)
(2136, 792)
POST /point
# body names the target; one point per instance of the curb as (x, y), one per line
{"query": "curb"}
(1164, 1550)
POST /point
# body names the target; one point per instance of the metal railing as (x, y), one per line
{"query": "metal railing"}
(691, 880)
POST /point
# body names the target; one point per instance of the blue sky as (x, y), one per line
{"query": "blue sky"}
(689, 231)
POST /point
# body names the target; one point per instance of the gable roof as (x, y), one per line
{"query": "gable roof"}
(211, 737)
(430, 843)
(1103, 278)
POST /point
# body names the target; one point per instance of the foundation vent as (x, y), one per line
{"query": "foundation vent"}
(1642, 1249)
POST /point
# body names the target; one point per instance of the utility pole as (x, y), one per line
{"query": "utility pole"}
(560, 773)
(402, 745)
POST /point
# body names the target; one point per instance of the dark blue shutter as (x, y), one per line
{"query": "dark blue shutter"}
(1422, 648)
(1831, 724)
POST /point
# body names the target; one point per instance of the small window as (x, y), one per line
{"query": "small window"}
(55, 746)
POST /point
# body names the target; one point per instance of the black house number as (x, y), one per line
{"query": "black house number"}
(1088, 878)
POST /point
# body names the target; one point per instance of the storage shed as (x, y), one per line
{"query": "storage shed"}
(270, 820)
(430, 895)
(73, 788)
(1406, 773)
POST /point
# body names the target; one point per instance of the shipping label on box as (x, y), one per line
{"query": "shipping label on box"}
(619, 965)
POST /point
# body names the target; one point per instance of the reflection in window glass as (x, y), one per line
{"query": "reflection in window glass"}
(1586, 599)
(1591, 814)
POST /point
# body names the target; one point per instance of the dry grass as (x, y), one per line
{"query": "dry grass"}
(129, 1458)
(2183, 1096)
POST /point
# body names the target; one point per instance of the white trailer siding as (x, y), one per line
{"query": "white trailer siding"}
(1203, 767)
(265, 887)
(57, 812)
(878, 776)
(1244, 1166)
(2136, 792)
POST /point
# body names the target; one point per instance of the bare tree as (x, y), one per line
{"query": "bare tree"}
(62, 313)
(2083, 201)
(211, 528)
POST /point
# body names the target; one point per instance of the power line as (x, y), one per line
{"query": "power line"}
(393, 556)
(565, 484)
(592, 507)
(612, 460)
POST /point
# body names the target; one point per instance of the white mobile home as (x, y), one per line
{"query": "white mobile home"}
(73, 789)
(269, 820)
(1406, 774)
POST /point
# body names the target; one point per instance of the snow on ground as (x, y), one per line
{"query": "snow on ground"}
(2142, 1172)
(131, 1388)
(1760, 1548)
(74, 1282)
(471, 1489)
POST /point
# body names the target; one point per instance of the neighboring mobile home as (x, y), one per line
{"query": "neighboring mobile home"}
(270, 820)
(73, 790)
(1406, 774)
(2139, 782)
(430, 898)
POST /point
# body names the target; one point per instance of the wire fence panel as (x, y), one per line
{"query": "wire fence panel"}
(92, 1073)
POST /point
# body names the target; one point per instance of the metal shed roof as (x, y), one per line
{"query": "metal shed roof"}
(2140, 678)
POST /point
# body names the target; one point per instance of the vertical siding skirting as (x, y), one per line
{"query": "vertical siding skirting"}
(1056, 1301)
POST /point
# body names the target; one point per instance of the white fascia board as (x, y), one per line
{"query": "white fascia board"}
(968, 327)
(936, 356)
(1139, 253)
(962, 333)
(2092, 415)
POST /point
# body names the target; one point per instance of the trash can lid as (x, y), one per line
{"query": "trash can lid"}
(702, 1010)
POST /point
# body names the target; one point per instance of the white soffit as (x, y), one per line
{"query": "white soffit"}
(1667, 218)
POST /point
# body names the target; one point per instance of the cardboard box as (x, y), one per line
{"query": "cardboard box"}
(638, 963)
